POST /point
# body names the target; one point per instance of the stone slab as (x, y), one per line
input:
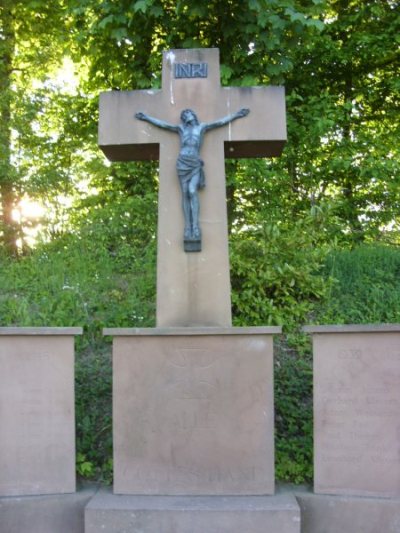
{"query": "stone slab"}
(347, 514)
(172, 514)
(352, 328)
(193, 414)
(62, 513)
(42, 331)
(37, 419)
(357, 412)
(165, 332)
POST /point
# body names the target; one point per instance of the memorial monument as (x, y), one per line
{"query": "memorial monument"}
(193, 398)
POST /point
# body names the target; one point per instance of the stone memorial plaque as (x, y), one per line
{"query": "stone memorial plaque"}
(357, 410)
(193, 412)
(37, 421)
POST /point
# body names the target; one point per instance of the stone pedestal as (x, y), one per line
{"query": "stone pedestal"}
(37, 420)
(347, 514)
(192, 398)
(200, 514)
(56, 513)
(357, 410)
(193, 411)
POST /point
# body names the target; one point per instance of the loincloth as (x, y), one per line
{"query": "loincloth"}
(187, 167)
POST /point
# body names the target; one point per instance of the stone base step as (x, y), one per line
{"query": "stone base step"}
(111, 513)
(292, 510)
(347, 514)
(57, 513)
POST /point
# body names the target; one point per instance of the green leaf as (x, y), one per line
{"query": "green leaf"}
(226, 73)
(255, 5)
(119, 33)
(142, 5)
(248, 81)
(318, 24)
(109, 19)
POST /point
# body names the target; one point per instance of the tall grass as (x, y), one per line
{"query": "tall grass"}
(366, 286)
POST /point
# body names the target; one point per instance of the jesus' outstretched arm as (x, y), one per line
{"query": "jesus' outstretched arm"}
(156, 122)
(226, 120)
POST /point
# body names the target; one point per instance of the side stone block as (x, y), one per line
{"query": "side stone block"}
(357, 410)
(37, 411)
(347, 514)
(193, 411)
(111, 513)
(61, 513)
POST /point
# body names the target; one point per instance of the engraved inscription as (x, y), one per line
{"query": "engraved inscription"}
(192, 390)
(191, 70)
(197, 417)
(357, 413)
(179, 475)
(191, 358)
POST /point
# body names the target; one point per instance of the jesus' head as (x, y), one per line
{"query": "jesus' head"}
(188, 116)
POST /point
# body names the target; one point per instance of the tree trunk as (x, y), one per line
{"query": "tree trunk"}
(8, 227)
(350, 179)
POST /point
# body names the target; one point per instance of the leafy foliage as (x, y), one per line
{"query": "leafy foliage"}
(275, 278)
(81, 279)
(32, 44)
(93, 394)
(293, 412)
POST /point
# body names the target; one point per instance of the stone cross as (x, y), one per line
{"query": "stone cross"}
(192, 289)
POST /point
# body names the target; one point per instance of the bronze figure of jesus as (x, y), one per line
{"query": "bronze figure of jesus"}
(189, 165)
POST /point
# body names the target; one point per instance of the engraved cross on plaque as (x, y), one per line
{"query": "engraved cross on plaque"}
(192, 289)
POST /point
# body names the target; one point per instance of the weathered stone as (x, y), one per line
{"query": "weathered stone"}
(347, 514)
(193, 411)
(37, 422)
(193, 289)
(109, 513)
(62, 513)
(357, 410)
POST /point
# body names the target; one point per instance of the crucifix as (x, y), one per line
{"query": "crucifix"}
(193, 289)
(190, 167)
